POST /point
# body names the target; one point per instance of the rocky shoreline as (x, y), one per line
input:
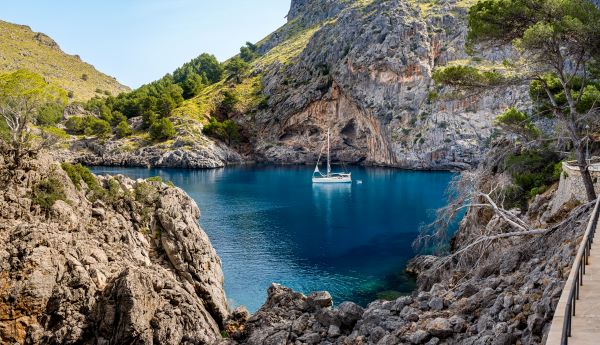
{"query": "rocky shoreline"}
(127, 260)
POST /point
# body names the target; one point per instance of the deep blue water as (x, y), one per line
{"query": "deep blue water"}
(271, 224)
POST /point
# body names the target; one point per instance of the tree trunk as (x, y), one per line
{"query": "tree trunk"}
(585, 172)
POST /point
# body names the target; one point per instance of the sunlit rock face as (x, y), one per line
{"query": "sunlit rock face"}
(134, 267)
(366, 73)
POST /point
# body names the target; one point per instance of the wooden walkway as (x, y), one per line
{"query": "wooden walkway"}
(585, 324)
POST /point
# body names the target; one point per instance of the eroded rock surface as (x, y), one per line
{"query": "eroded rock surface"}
(131, 266)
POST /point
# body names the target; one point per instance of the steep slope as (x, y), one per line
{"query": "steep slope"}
(103, 260)
(21, 48)
(364, 69)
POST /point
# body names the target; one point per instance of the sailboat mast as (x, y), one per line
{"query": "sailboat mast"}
(328, 158)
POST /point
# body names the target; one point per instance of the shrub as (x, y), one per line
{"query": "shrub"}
(162, 130)
(123, 130)
(84, 77)
(227, 130)
(145, 193)
(55, 132)
(47, 192)
(466, 76)
(154, 179)
(50, 114)
(75, 125)
(532, 172)
(78, 173)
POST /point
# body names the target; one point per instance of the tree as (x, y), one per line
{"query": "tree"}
(22, 94)
(123, 129)
(50, 114)
(561, 42)
(248, 52)
(227, 130)
(162, 129)
(192, 85)
(236, 67)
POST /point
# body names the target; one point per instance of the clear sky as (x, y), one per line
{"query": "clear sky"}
(138, 41)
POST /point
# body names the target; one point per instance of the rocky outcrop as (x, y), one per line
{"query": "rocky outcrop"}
(509, 299)
(189, 149)
(178, 155)
(122, 262)
(366, 73)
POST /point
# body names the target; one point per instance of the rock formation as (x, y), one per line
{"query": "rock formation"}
(120, 262)
(367, 74)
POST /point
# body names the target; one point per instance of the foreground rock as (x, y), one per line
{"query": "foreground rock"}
(123, 264)
(510, 299)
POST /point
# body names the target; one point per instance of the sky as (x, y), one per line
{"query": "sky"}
(138, 41)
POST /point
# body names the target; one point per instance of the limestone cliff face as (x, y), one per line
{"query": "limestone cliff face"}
(129, 267)
(366, 74)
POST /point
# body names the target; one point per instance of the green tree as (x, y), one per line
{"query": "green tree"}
(560, 40)
(227, 131)
(192, 85)
(248, 52)
(149, 118)
(123, 129)
(50, 114)
(227, 105)
(22, 94)
(162, 129)
(236, 67)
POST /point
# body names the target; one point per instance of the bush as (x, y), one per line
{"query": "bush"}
(162, 129)
(75, 125)
(466, 76)
(55, 132)
(84, 77)
(123, 130)
(50, 114)
(227, 130)
(532, 172)
(47, 192)
(145, 193)
(78, 173)
(88, 125)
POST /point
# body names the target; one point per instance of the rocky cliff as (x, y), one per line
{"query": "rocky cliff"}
(364, 69)
(103, 260)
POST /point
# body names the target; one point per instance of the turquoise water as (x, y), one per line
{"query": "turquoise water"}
(271, 224)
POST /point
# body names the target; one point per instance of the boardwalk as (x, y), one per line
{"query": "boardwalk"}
(585, 325)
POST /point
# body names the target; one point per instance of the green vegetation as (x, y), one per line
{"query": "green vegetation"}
(78, 173)
(47, 192)
(162, 129)
(50, 114)
(532, 172)
(228, 131)
(560, 40)
(88, 125)
(123, 129)
(145, 193)
(515, 121)
(466, 76)
(22, 95)
(23, 49)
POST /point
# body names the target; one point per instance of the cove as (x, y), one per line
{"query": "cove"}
(271, 224)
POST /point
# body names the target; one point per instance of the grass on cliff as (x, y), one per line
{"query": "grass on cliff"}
(22, 48)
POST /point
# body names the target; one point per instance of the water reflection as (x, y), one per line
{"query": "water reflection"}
(272, 224)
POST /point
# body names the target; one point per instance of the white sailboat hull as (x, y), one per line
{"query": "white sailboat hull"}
(345, 178)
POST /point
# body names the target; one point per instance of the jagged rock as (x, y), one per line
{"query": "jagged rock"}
(99, 273)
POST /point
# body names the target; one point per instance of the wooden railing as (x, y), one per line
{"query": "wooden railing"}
(561, 329)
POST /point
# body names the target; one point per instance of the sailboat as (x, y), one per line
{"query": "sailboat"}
(329, 177)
